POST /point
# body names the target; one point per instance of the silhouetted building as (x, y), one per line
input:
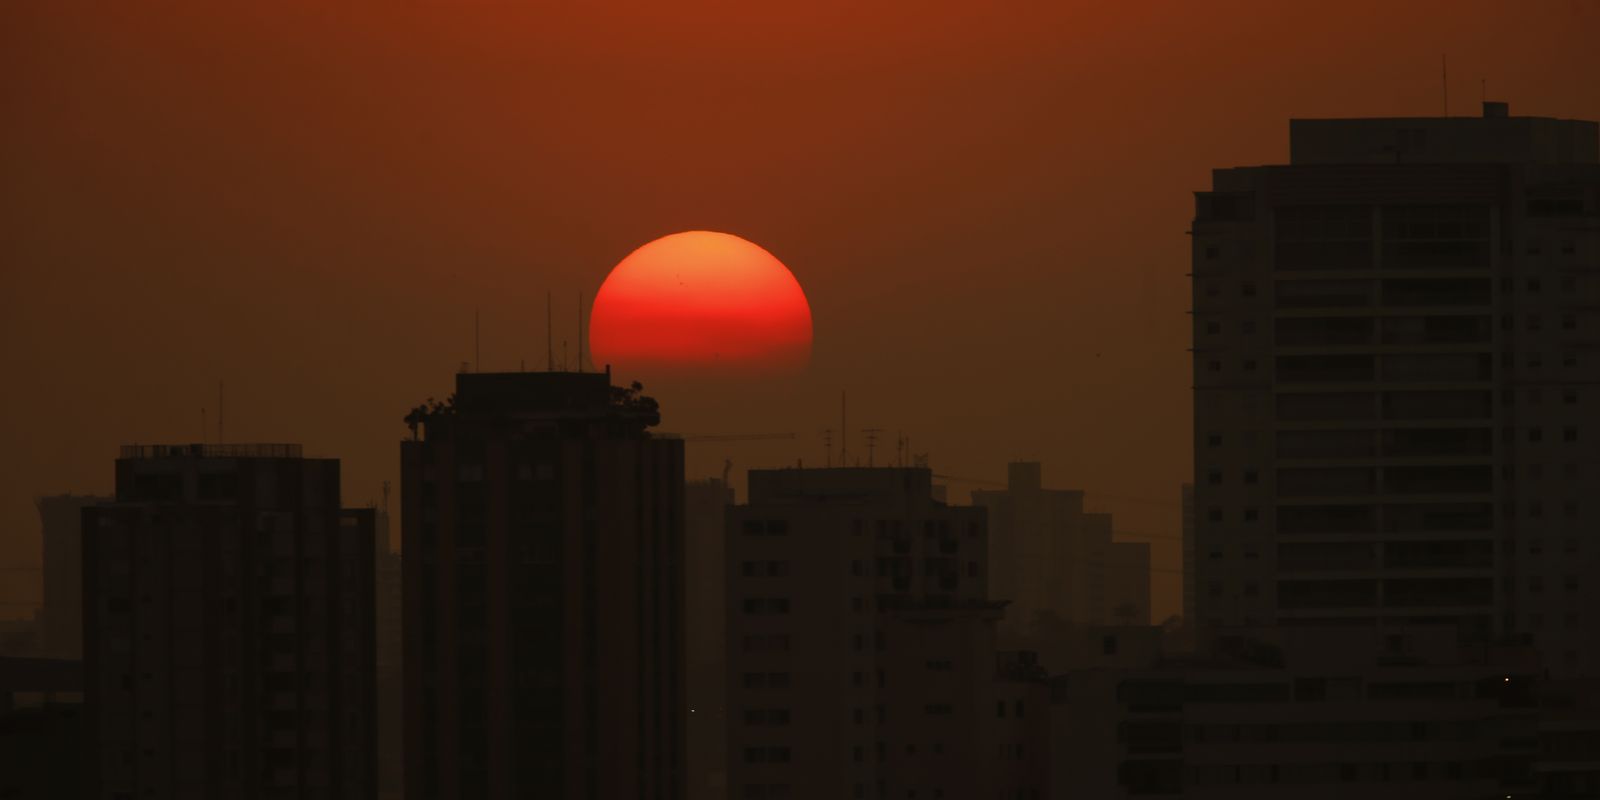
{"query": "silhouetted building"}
(41, 728)
(1186, 510)
(61, 530)
(542, 528)
(391, 727)
(19, 637)
(1569, 740)
(228, 627)
(1056, 563)
(705, 516)
(1321, 714)
(1395, 382)
(861, 650)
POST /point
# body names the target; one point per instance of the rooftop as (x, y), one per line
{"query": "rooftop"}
(1496, 137)
(154, 451)
(839, 484)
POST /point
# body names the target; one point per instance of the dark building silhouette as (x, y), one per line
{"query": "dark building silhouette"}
(706, 505)
(542, 527)
(228, 627)
(1186, 524)
(1395, 382)
(61, 530)
(388, 678)
(1056, 563)
(861, 644)
(1303, 713)
(41, 728)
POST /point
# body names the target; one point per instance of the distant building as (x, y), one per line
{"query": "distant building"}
(41, 728)
(542, 527)
(61, 529)
(386, 583)
(861, 644)
(706, 505)
(1057, 564)
(1324, 714)
(228, 621)
(1396, 382)
(19, 638)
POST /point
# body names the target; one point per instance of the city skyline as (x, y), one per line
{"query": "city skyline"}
(776, 402)
(270, 193)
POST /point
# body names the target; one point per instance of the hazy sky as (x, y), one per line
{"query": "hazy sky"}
(986, 205)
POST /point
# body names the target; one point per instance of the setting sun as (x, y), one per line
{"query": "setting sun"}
(702, 301)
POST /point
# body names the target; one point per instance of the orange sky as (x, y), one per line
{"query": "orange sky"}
(984, 203)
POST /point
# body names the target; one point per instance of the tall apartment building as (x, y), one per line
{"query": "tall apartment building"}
(1186, 523)
(542, 527)
(706, 505)
(861, 653)
(61, 532)
(228, 628)
(1397, 381)
(1048, 556)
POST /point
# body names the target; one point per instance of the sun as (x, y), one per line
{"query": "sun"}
(701, 301)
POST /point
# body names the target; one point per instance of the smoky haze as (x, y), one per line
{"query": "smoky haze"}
(986, 210)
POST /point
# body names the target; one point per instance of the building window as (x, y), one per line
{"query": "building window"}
(1214, 515)
(1214, 477)
(1213, 328)
(1569, 434)
(1214, 440)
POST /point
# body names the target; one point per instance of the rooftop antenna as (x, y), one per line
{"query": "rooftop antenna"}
(580, 331)
(202, 424)
(549, 336)
(844, 431)
(219, 413)
(563, 355)
(872, 441)
(827, 445)
(1444, 80)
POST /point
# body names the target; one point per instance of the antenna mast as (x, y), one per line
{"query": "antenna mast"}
(872, 441)
(844, 431)
(1444, 80)
(827, 445)
(580, 331)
